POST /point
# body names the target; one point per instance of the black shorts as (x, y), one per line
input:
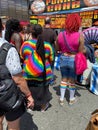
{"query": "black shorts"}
(13, 115)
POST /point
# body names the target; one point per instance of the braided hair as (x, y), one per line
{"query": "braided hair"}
(12, 25)
(36, 33)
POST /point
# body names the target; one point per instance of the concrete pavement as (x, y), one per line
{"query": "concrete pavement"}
(73, 117)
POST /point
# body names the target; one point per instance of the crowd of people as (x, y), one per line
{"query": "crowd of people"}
(47, 44)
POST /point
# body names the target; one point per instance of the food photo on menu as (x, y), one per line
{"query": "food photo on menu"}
(38, 6)
(91, 2)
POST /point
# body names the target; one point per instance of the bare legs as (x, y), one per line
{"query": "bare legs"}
(1, 121)
(12, 125)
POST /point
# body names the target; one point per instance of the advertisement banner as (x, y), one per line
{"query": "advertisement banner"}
(61, 5)
(47, 6)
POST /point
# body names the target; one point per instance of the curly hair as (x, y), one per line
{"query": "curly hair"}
(72, 23)
(12, 25)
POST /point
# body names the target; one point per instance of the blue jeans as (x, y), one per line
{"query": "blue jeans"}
(67, 67)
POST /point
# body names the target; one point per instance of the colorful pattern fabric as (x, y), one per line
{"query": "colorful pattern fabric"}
(94, 80)
(67, 85)
(34, 66)
(72, 86)
(63, 84)
(26, 50)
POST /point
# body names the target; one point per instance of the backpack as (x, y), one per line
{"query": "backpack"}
(11, 98)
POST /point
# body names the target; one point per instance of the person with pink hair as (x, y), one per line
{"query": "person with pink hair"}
(71, 38)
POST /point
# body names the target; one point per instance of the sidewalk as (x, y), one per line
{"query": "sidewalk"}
(67, 117)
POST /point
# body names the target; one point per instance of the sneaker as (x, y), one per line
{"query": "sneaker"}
(44, 107)
(61, 102)
(71, 102)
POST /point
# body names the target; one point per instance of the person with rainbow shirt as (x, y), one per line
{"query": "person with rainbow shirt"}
(39, 86)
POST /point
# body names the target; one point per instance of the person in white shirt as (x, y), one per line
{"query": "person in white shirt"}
(14, 67)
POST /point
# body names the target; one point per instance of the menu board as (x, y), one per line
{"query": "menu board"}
(62, 5)
(89, 18)
(34, 21)
(41, 21)
(95, 18)
(86, 18)
(58, 21)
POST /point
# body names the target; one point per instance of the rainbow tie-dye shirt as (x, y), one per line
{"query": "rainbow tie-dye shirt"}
(26, 50)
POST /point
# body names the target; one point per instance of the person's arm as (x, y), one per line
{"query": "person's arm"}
(14, 67)
(54, 39)
(81, 43)
(57, 46)
(22, 84)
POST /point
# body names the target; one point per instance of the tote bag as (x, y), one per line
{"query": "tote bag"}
(80, 63)
(80, 59)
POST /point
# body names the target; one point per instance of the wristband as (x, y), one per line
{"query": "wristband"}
(28, 95)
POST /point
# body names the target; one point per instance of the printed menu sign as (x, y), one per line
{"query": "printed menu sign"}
(58, 5)
(89, 18)
(86, 18)
(95, 18)
(61, 5)
(57, 22)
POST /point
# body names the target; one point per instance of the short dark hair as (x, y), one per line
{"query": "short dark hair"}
(36, 30)
(1, 26)
(47, 20)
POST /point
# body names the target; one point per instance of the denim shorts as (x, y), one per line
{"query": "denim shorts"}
(67, 67)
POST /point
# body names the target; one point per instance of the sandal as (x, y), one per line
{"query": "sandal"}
(44, 107)
(61, 102)
(71, 102)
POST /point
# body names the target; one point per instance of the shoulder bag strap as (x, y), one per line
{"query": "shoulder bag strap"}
(3, 52)
(65, 41)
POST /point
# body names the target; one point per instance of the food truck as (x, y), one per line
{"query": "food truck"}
(57, 10)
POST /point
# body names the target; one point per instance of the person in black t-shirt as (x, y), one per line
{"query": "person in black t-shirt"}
(50, 36)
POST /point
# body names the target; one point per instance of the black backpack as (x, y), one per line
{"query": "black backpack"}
(11, 98)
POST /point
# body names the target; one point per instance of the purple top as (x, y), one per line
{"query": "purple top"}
(72, 39)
